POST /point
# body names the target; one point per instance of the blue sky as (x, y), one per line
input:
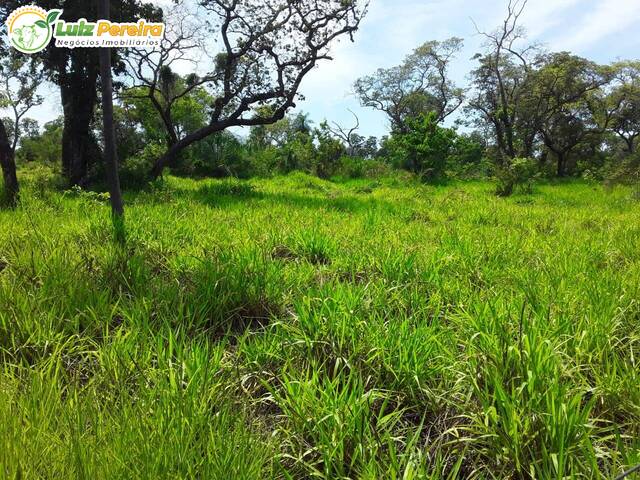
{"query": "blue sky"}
(602, 30)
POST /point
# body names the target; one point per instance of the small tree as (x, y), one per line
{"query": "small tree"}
(423, 148)
(518, 173)
(20, 81)
(329, 151)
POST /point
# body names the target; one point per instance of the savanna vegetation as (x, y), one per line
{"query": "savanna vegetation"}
(276, 296)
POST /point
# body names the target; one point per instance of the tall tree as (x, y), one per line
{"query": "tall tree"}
(8, 165)
(110, 152)
(418, 86)
(267, 50)
(502, 84)
(20, 81)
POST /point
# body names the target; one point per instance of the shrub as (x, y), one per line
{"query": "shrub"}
(518, 172)
(221, 155)
(466, 158)
(625, 170)
(265, 161)
(423, 148)
(357, 167)
(134, 171)
(328, 156)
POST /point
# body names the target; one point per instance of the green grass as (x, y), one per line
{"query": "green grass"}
(297, 328)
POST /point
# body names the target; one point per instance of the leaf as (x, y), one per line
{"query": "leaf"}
(41, 24)
(53, 16)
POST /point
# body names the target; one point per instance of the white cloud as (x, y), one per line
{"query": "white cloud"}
(540, 16)
(607, 18)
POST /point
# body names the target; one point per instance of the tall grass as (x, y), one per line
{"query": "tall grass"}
(297, 328)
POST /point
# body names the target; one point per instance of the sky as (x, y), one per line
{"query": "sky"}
(601, 30)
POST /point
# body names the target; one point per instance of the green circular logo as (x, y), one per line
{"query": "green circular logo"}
(31, 28)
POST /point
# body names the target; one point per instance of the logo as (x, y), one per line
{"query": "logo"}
(32, 28)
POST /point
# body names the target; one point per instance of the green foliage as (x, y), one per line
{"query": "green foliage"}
(188, 113)
(517, 173)
(467, 157)
(299, 153)
(423, 148)
(218, 155)
(625, 170)
(45, 147)
(329, 150)
(358, 167)
(134, 170)
(292, 145)
(623, 101)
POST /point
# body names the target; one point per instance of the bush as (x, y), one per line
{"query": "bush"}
(518, 172)
(424, 148)
(220, 155)
(623, 170)
(356, 167)
(466, 158)
(328, 155)
(134, 171)
(265, 161)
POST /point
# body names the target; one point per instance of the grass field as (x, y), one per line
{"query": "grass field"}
(297, 328)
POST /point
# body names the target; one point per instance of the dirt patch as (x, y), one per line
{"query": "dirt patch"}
(282, 252)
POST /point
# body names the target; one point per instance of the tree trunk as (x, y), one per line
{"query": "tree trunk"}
(630, 144)
(561, 172)
(172, 153)
(8, 165)
(79, 147)
(110, 153)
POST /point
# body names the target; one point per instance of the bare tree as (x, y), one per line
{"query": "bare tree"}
(20, 81)
(346, 135)
(419, 85)
(502, 85)
(268, 47)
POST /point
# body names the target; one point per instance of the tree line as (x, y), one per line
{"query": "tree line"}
(526, 110)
